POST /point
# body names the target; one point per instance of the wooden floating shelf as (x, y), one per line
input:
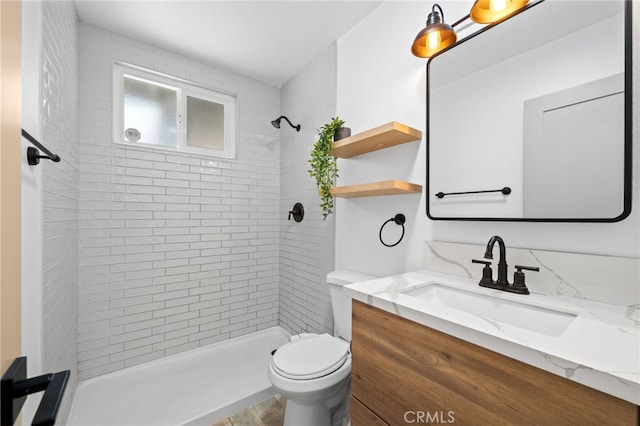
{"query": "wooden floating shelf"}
(389, 187)
(380, 137)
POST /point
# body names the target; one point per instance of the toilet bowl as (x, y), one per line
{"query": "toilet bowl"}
(313, 371)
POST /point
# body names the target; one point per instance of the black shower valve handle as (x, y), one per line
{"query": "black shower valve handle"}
(297, 212)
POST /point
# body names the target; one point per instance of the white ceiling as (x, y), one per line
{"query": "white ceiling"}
(267, 40)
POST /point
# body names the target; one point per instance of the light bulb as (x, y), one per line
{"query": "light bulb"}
(433, 40)
(498, 5)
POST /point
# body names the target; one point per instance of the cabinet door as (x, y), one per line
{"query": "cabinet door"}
(362, 416)
(406, 372)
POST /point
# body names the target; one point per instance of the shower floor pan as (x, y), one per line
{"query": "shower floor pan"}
(197, 387)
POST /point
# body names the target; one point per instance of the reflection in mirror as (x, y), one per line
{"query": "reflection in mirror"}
(536, 103)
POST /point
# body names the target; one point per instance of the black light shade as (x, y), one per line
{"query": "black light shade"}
(276, 123)
(436, 36)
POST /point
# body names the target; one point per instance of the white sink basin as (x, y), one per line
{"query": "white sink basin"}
(543, 320)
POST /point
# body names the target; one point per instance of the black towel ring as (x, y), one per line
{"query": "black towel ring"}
(399, 219)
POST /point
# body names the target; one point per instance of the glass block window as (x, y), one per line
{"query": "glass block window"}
(159, 111)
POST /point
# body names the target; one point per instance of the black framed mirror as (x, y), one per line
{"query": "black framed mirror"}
(539, 104)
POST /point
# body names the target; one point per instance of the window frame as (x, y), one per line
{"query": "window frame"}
(183, 90)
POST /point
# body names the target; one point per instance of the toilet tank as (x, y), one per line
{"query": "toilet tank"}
(340, 302)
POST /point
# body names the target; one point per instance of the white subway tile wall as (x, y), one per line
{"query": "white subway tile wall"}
(176, 251)
(307, 247)
(59, 121)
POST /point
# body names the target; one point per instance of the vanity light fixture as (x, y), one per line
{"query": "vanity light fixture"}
(435, 36)
(438, 35)
(489, 11)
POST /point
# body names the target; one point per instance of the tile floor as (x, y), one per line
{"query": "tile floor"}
(266, 413)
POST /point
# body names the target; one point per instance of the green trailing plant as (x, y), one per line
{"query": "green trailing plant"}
(324, 168)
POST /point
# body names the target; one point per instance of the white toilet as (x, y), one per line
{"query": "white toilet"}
(313, 371)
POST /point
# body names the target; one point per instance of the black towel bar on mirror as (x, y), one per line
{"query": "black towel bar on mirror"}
(33, 155)
(506, 191)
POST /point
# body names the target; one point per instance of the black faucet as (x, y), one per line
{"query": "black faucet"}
(502, 262)
(502, 283)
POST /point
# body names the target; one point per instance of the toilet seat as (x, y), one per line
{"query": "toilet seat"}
(310, 357)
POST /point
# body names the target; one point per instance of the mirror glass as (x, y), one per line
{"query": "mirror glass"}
(536, 104)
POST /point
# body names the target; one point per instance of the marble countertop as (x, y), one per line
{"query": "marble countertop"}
(600, 348)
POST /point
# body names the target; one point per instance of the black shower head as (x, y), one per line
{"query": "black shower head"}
(276, 123)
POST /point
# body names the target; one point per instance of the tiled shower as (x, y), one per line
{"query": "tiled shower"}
(148, 253)
(176, 251)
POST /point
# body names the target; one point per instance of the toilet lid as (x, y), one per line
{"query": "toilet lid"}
(310, 358)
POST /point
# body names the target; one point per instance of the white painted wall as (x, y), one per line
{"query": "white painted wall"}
(383, 82)
(32, 198)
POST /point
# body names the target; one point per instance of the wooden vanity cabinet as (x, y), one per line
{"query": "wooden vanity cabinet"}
(406, 373)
